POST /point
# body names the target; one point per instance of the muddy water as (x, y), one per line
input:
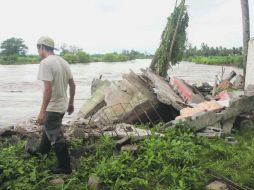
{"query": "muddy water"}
(21, 93)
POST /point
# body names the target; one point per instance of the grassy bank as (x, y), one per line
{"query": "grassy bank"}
(18, 60)
(176, 161)
(236, 61)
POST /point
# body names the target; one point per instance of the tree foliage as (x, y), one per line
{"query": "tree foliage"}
(171, 38)
(206, 51)
(13, 46)
(83, 57)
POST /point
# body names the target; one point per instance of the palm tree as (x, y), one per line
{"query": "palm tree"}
(246, 31)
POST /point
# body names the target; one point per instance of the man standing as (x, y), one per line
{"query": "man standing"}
(56, 75)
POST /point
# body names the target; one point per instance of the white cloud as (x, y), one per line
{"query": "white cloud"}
(112, 25)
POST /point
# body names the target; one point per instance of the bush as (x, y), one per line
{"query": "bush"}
(71, 58)
(110, 57)
(83, 57)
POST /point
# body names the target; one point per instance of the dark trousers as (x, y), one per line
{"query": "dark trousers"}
(52, 133)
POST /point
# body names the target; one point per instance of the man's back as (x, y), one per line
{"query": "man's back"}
(57, 70)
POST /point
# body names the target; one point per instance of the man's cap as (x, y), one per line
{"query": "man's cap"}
(47, 41)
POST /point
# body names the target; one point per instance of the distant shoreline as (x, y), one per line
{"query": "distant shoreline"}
(17, 63)
(235, 61)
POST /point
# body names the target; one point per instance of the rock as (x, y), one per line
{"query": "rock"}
(81, 122)
(13, 139)
(75, 163)
(205, 88)
(56, 181)
(228, 124)
(79, 133)
(94, 182)
(217, 185)
(211, 132)
(230, 140)
(246, 124)
(82, 151)
(239, 82)
(32, 145)
(130, 148)
(7, 131)
(123, 141)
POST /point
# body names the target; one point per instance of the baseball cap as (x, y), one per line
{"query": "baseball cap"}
(47, 41)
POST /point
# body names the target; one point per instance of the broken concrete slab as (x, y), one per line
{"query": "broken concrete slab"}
(164, 91)
(201, 107)
(239, 104)
(123, 130)
(123, 100)
(96, 101)
(211, 132)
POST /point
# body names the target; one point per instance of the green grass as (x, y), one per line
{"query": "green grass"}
(177, 161)
(217, 60)
(19, 60)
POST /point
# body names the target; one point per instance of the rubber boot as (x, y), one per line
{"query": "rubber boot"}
(63, 158)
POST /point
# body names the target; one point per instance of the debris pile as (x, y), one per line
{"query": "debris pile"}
(148, 98)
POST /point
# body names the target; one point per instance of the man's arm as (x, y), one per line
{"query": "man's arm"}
(72, 94)
(46, 99)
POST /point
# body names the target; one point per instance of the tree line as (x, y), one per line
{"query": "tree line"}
(14, 51)
(73, 54)
(206, 51)
(214, 55)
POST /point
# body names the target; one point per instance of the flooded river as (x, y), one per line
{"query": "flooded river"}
(21, 93)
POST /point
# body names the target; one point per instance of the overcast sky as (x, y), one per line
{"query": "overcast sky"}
(100, 26)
